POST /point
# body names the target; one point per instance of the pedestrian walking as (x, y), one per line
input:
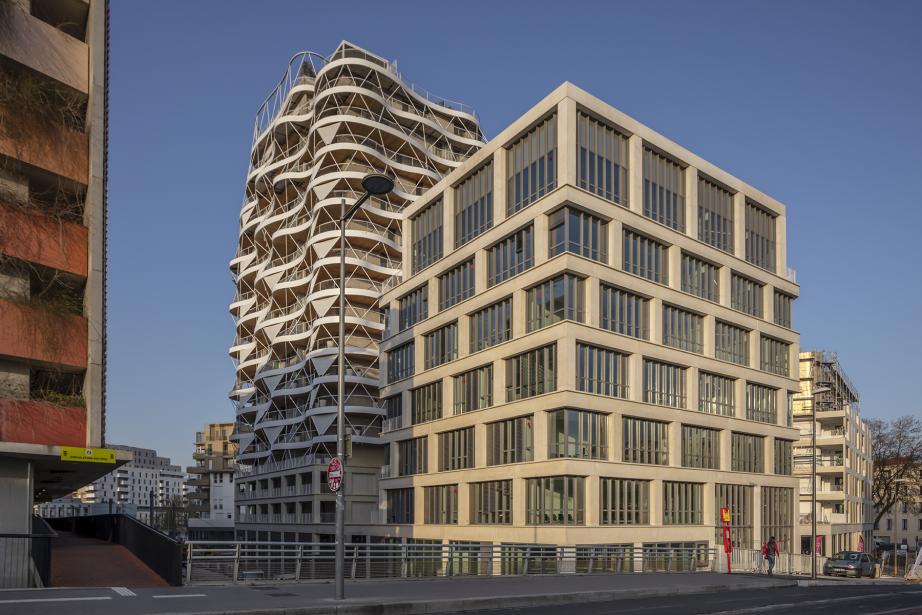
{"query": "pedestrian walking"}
(769, 551)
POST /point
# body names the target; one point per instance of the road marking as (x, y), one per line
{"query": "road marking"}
(123, 591)
(761, 609)
(909, 610)
(23, 600)
(179, 596)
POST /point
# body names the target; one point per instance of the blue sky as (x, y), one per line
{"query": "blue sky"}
(817, 103)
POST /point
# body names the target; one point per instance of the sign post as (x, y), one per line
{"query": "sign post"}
(335, 474)
(728, 541)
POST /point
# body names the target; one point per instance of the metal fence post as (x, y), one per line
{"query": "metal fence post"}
(403, 560)
(298, 562)
(236, 562)
(450, 562)
(189, 564)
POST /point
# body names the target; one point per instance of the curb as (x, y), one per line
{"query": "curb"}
(850, 582)
(364, 607)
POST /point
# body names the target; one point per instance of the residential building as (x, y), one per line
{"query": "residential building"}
(844, 470)
(329, 122)
(127, 490)
(52, 254)
(608, 354)
(902, 524)
(211, 501)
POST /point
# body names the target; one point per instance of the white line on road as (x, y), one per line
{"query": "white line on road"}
(23, 600)
(179, 596)
(760, 609)
(123, 591)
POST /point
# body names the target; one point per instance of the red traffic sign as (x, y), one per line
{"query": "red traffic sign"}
(335, 474)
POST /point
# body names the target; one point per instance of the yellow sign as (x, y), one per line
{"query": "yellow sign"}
(725, 515)
(94, 455)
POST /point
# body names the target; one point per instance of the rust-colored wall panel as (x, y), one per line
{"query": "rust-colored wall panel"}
(52, 148)
(38, 238)
(38, 422)
(29, 332)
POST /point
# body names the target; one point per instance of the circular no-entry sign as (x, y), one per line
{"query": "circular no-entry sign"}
(335, 474)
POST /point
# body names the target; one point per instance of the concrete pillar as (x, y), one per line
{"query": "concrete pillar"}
(768, 303)
(691, 201)
(481, 445)
(519, 313)
(635, 173)
(635, 377)
(593, 300)
(781, 245)
(500, 160)
(674, 255)
(541, 430)
(448, 219)
(540, 240)
(739, 225)
(615, 437)
(566, 142)
(708, 335)
(519, 501)
(480, 271)
(616, 244)
(726, 441)
(656, 320)
(464, 510)
(691, 387)
(739, 397)
(656, 503)
(464, 335)
(566, 362)
(757, 518)
(675, 444)
(725, 285)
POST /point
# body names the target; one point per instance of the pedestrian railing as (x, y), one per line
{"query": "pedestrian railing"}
(25, 559)
(752, 560)
(237, 562)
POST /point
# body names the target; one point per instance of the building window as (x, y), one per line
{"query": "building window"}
(492, 325)
(774, 356)
(413, 307)
(400, 505)
(532, 165)
(553, 301)
(645, 257)
(783, 456)
(441, 345)
(510, 441)
(427, 402)
(747, 453)
(474, 389)
(716, 394)
(760, 237)
(624, 501)
(412, 456)
(731, 343)
(663, 384)
(715, 215)
(761, 403)
(645, 441)
(400, 362)
(510, 256)
(554, 500)
(745, 295)
(700, 278)
(700, 447)
(474, 205)
(601, 371)
(426, 227)
(441, 504)
(456, 449)
(683, 503)
(778, 516)
(572, 230)
(682, 329)
(663, 190)
(624, 312)
(531, 373)
(783, 304)
(738, 498)
(602, 159)
(491, 502)
(577, 433)
(456, 285)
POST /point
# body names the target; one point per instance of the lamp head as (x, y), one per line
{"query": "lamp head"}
(377, 183)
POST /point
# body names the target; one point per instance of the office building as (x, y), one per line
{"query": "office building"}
(328, 123)
(591, 344)
(844, 470)
(211, 479)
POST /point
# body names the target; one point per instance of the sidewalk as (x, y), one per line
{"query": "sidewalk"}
(86, 562)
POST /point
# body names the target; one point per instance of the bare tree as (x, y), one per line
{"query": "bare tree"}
(896, 449)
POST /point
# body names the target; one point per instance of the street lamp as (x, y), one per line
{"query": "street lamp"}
(374, 184)
(813, 478)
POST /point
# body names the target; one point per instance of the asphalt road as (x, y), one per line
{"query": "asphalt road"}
(841, 600)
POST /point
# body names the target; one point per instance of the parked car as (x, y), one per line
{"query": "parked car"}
(850, 564)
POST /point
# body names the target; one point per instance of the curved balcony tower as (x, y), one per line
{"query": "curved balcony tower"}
(328, 123)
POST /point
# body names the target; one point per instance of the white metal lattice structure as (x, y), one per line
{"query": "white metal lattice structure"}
(329, 122)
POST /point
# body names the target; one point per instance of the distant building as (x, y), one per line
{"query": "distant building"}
(902, 525)
(211, 497)
(844, 507)
(125, 490)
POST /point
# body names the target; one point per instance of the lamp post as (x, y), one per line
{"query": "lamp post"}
(813, 478)
(374, 184)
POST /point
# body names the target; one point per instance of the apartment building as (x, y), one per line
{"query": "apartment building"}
(329, 122)
(52, 250)
(211, 479)
(828, 403)
(126, 490)
(591, 344)
(902, 524)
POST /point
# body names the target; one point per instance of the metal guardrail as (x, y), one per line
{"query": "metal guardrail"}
(240, 562)
(25, 559)
(751, 560)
